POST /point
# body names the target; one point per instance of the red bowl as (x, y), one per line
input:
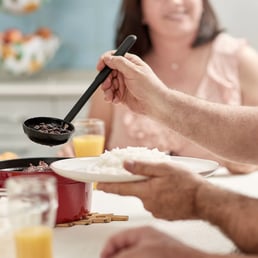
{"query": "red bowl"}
(74, 198)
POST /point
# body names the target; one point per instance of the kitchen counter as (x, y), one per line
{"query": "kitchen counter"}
(50, 94)
(54, 83)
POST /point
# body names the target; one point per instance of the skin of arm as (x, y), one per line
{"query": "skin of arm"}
(248, 62)
(235, 215)
(171, 192)
(147, 242)
(228, 131)
(248, 77)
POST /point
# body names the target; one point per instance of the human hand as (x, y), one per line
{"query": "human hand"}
(131, 82)
(66, 150)
(239, 168)
(168, 193)
(146, 242)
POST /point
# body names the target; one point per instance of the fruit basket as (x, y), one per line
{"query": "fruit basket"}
(27, 54)
(20, 6)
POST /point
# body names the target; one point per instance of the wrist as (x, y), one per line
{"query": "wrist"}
(162, 106)
(197, 198)
(204, 198)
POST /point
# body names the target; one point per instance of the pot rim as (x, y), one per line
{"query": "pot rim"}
(15, 167)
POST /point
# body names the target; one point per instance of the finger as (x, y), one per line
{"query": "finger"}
(123, 240)
(107, 83)
(140, 168)
(116, 100)
(137, 189)
(120, 63)
(108, 90)
(151, 169)
(109, 95)
(101, 64)
(122, 87)
(116, 91)
(134, 59)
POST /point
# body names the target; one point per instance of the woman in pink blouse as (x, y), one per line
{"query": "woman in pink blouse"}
(182, 42)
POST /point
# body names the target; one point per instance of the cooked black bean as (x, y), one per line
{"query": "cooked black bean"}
(52, 128)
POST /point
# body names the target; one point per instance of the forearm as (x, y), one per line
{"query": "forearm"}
(230, 132)
(235, 214)
(230, 256)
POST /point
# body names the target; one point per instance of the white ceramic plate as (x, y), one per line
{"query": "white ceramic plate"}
(82, 169)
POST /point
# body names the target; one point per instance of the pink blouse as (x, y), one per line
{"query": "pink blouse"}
(220, 84)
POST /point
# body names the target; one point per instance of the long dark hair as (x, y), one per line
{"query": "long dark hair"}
(130, 22)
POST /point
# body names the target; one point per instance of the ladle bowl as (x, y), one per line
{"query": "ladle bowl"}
(52, 138)
(47, 138)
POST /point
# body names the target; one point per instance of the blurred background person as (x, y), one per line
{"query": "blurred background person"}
(185, 46)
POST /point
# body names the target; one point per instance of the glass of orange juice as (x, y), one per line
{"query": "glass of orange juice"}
(89, 137)
(32, 206)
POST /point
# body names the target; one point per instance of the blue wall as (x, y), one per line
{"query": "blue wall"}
(86, 29)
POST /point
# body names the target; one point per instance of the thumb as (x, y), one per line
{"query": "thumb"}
(121, 64)
(150, 168)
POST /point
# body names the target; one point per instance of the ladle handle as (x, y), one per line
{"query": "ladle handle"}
(103, 74)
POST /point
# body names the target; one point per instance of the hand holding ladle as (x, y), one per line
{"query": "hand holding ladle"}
(54, 131)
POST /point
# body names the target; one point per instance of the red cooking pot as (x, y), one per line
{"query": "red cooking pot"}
(74, 198)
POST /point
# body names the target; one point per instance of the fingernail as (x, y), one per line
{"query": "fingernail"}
(129, 164)
(107, 59)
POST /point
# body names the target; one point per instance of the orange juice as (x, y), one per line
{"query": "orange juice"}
(89, 145)
(34, 242)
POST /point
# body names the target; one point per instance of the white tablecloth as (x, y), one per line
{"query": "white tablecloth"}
(87, 241)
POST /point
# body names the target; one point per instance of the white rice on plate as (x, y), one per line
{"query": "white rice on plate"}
(111, 162)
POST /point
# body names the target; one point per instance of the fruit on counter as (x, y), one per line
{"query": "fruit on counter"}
(30, 7)
(27, 53)
(34, 66)
(12, 36)
(20, 6)
(44, 32)
(8, 155)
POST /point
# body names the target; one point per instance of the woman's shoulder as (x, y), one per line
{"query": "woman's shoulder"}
(223, 67)
(227, 44)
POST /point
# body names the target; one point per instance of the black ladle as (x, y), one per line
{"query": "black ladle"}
(63, 128)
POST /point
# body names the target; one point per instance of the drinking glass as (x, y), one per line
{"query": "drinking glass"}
(32, 206)
(89, 137)
(7, 249)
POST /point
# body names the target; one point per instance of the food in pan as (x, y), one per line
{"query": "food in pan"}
(41, 167)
